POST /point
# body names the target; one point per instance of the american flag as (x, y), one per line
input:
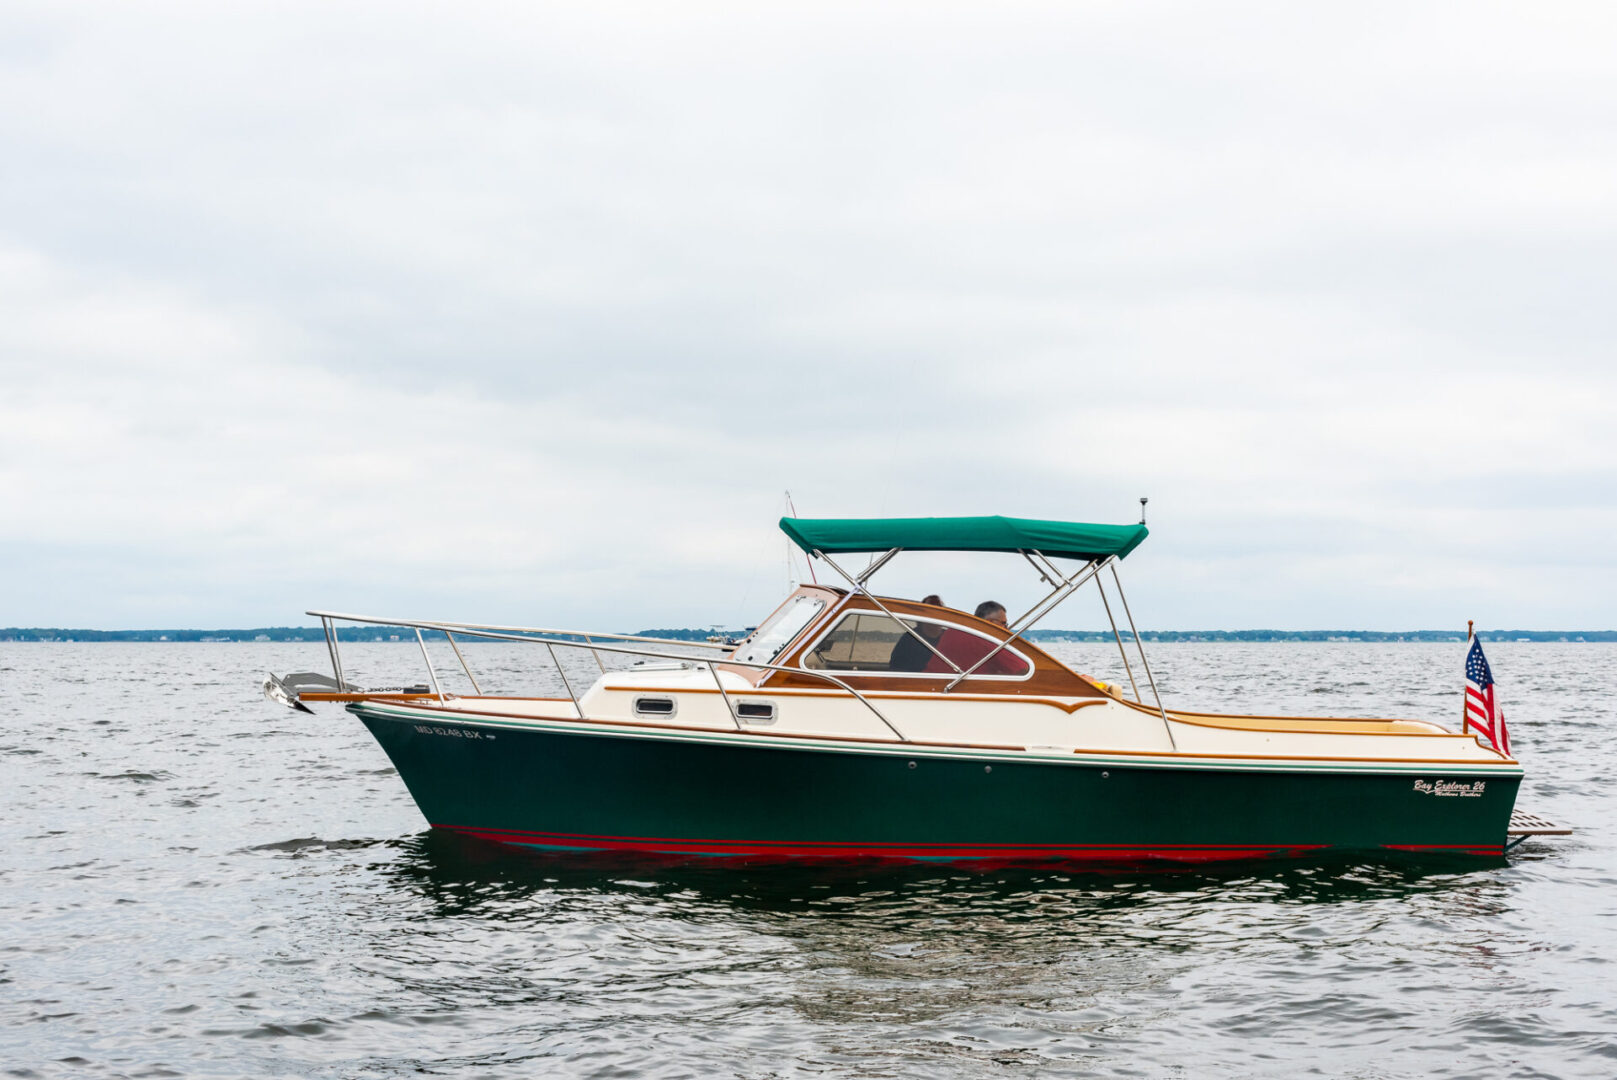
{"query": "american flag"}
(1482, 711)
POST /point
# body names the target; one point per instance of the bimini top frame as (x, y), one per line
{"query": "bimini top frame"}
(1058, 539)
(1098, 546)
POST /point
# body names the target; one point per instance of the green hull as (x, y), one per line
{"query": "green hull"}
(567, 787)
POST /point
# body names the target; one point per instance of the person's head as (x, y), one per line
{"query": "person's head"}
(934, 599)
(992, 611)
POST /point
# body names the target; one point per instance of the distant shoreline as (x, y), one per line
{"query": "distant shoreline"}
(265, 634)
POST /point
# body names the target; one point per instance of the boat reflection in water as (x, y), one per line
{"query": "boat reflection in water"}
(907, 944)
(479, 878)
(851, 726)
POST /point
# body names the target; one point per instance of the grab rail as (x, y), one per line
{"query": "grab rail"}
(440, 624)
(328, 620)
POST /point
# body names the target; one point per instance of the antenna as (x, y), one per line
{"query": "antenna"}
(1143, 501)
(790, 547)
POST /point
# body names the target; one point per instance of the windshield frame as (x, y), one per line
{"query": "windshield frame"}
(816, 607)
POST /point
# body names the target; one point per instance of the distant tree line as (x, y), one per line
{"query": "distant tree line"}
(687, 634)
(259, 634)
(404, 633)
(345, 633)
(1326, 635)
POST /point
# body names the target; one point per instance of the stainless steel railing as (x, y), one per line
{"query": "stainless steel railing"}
(551, 639)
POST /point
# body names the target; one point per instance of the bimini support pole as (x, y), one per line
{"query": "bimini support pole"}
(1068, 586)
(1120, 650)
(1053, 582)
(1140, 648)
(869, 571)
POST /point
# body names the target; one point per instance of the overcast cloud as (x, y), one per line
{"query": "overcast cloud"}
(531, 313)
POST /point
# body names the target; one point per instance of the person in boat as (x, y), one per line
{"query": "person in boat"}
(966, 649)
(909, 654)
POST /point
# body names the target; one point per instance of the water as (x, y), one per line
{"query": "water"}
(194, 882)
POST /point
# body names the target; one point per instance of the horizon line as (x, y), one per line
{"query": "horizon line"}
(261, 634)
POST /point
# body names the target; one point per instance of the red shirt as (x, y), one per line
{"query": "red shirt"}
(966, 649)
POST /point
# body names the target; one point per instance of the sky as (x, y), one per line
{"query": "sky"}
(532, 313)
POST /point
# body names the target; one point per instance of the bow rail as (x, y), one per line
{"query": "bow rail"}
(278, 690)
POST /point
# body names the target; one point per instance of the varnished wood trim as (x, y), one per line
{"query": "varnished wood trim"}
(371, 695)
(1323, 725)
(333, 695)
(1179, 717)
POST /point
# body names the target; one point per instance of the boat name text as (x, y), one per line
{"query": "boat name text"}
(1451, 787)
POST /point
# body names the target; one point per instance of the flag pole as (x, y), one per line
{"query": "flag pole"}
(1465, 713)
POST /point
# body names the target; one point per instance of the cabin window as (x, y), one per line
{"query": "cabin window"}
(655, 706)
(778, 630)
(870, 643)
(758, 712)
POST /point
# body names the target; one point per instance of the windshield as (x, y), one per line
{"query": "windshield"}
(773, 636)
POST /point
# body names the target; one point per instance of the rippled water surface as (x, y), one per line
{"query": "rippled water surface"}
(194, 882)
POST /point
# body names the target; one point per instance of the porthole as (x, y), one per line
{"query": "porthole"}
(660, 707)
(756, 712)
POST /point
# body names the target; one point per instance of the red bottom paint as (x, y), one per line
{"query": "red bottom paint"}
(997, 853)
(1455, 849)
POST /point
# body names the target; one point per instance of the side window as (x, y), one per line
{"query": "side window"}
(862, 641)
(869, 643)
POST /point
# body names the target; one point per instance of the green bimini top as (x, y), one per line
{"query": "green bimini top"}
(1060, 539)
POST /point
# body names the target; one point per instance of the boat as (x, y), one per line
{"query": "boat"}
(854, 725)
